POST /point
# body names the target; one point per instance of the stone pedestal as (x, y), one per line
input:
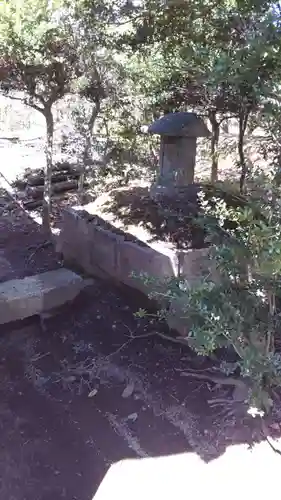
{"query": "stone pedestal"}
(179, 132)
(177, 164)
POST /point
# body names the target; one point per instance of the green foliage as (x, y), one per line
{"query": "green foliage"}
(38, 65)
(214, 53)
(37, 57)
(238, 307)
(221, 59)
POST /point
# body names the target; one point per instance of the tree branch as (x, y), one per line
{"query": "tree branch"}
(12, 97)
(132, 337)
(34, 106)
(24, 101)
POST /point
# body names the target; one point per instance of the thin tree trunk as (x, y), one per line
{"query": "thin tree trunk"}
(46, 206)
(87, 150)
(243, 120)
(225, 126)
(214, 145)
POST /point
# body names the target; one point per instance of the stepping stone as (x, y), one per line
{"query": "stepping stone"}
(22, 298)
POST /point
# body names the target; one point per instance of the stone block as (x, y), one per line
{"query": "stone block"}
(194, 264)
(141, 260)
(103, 246)
(21, 298)
(104, 253)
(72, 241)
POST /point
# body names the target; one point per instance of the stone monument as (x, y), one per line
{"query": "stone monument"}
(93, 239)
(179, 132)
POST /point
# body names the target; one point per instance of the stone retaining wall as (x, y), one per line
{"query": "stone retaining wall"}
(102, 252)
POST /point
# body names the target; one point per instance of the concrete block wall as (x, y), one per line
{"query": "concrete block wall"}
(102, 252)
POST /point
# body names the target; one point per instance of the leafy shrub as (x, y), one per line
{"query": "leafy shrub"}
(240, 309)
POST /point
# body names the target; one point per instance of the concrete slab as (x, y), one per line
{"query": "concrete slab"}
(21, 298)
(102, 252)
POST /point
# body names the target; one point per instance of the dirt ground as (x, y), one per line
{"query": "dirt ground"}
(22, 249)
(77, 394)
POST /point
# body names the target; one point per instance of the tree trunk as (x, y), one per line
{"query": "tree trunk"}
(46, 205)
(87, 150)
(214, 145)
(225, 126)
(243, 120)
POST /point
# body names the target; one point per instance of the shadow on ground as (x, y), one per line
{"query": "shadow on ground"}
(24, 247)
(91, 384)
(173, 219)
(78, 395)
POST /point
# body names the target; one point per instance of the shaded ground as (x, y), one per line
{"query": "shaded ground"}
(63, 418)
(78, 394)
(23, 248)
(171, 219)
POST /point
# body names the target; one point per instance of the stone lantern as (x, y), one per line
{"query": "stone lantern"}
(179, 132)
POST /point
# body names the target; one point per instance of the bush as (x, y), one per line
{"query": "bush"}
(239, 311)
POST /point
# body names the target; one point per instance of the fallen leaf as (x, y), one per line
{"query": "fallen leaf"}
(92, 393)
(128, 391)
(133, 417)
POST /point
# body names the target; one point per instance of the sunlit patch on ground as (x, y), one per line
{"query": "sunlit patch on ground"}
(238, 472)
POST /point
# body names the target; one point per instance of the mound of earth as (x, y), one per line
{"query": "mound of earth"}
(171, 219)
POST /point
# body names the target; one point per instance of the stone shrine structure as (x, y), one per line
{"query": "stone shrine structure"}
(179, 132)
(107, 250)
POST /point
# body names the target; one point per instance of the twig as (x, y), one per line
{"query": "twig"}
(125, 345)
(269, 440)
(39, 356)
(38, 247)
(215, 380)
(176, 340)
(133, 337)
(219, 401)
(181, 370)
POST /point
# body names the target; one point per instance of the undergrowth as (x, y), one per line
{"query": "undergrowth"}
(235, 307)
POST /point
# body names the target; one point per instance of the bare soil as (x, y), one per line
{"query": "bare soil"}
(24, 248)
(171, 219)
(64, 417)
